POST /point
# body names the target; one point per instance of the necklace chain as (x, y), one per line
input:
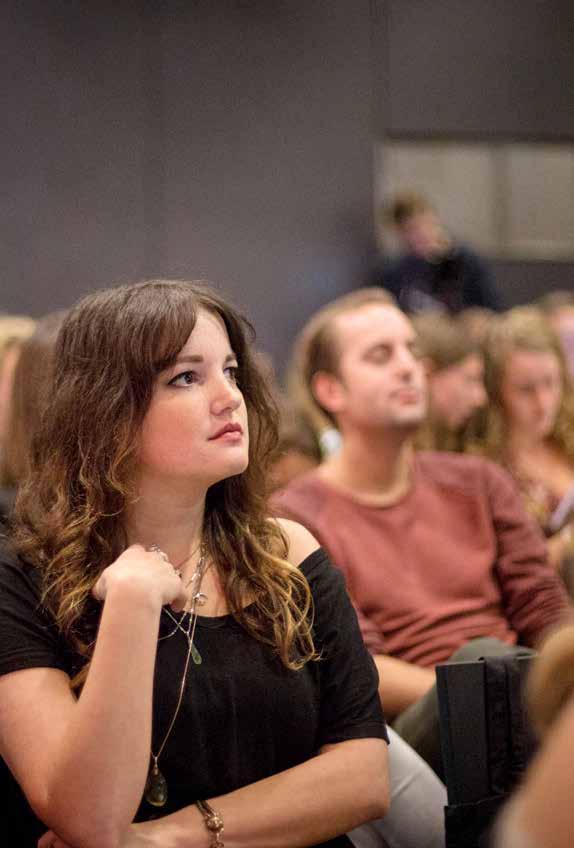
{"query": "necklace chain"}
(156, 787)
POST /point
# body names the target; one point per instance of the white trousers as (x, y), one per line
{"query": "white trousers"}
(418, 799)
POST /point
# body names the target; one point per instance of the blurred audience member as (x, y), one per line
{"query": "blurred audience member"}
(558, 307)
(454, 367)
(298, 449)
(13, 330)
(541, 814)
(475, 322)
(433, 270)
(297, 452)
(439, 555)
(25, 405)
(529, 422)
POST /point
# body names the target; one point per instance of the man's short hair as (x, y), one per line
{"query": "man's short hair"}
(404, 206)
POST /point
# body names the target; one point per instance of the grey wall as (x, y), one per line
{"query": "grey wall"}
(494, 69)
(481, 67)
(231, 139)
(228, 140)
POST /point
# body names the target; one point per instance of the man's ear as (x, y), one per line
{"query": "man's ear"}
(328, 391)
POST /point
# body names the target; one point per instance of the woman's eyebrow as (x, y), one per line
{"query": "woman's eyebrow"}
(189, 358)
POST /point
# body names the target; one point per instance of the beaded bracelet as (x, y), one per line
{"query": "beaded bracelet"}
(213, 822)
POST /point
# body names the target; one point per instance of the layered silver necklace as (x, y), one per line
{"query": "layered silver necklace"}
(155, 791)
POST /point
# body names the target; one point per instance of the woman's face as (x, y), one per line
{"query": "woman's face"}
(457, 392)
(196, 426)
(531, 392)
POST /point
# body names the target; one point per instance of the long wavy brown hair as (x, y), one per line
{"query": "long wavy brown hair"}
(522, 328)
(69, 513)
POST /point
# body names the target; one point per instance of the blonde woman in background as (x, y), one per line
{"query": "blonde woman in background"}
(529, 423)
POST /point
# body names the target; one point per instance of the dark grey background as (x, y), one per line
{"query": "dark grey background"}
(226, 140)
(232, 140)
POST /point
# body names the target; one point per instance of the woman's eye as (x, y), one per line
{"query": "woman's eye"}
(186, 378)
(232, 372)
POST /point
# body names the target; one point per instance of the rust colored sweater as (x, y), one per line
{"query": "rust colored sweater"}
(455, 559)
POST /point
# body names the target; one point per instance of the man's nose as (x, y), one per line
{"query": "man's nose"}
(407, 362)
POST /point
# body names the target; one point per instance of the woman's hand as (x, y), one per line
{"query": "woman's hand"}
(52, 840)
(141, 570)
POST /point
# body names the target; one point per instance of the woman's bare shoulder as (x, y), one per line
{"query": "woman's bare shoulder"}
(301, 542)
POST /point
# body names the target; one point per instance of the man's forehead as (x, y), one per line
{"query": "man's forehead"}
(373, 323)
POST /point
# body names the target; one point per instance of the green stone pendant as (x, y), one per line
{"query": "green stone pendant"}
(155, 791)
(195, 655)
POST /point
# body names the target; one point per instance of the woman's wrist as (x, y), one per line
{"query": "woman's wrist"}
(177, 830)
(134, 595)
(183, 829)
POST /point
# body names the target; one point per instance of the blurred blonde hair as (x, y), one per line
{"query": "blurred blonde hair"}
(14, 329)
(522, 328)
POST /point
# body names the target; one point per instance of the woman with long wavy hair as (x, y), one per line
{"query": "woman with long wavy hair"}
(170, 655)
(528, 425)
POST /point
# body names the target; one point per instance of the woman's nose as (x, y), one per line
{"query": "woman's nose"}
(226, 395)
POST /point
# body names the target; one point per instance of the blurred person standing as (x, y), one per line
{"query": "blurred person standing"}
(529, 423)
(433, 271)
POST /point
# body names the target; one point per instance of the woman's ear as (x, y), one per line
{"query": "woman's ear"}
(327, 391)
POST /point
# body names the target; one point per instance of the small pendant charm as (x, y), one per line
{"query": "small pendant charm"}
(200, 598)
(195, 655)
(155, 791)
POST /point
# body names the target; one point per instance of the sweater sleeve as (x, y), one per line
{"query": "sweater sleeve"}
(532, 593)
(299, 506)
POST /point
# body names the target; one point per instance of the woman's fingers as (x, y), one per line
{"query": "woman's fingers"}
(52, 840)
